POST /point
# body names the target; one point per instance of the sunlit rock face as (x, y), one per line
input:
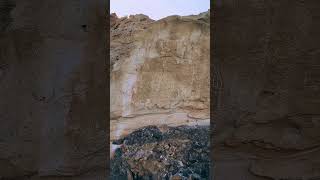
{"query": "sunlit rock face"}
(52, 90)
(159, 68)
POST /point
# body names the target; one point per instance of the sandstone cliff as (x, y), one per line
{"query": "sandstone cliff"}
(159, 71)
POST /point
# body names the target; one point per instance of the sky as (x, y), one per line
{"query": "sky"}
(157, 9)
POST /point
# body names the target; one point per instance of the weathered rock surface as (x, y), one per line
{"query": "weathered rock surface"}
(124, 126)
(159, 77)
(266, 88)
(53, 116)
(152, 153)
(159, 68)
(122, 31)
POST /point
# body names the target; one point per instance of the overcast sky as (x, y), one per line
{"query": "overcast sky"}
(157, 9)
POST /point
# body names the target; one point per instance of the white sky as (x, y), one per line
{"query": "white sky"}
(157, 9)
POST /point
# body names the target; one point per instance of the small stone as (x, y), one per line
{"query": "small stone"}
(176, 177)
(180, 163)
(129, 175)
(194, 177)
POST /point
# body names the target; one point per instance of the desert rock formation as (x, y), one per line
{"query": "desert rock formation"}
(159, 71)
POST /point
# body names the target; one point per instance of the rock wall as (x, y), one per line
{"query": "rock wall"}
(53, 106)
(160, 71)
(266, 87)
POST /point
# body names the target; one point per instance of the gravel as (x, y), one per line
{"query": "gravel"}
(148, 153)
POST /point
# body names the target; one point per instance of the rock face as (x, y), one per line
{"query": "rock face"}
(267, 90)
(122, 31)
(159, 69)
(163, 153)
(53, 119)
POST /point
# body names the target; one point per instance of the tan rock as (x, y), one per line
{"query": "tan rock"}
(201, 114)
(176, 177)
(166, 66)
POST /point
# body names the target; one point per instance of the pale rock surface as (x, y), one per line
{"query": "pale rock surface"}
(159, 72)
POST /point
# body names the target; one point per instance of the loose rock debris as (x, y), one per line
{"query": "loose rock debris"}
(179, 153)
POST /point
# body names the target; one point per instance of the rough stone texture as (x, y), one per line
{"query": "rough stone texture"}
(159, 68)
(52, 108)
(267, 90)
(157, 153)
(122, 31)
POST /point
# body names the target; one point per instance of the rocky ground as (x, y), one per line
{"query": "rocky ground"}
(163, 153)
